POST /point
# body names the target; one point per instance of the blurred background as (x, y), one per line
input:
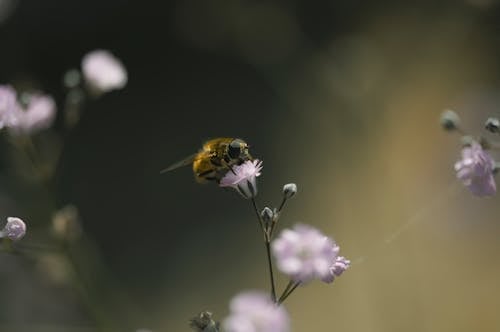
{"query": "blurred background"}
(341, 97)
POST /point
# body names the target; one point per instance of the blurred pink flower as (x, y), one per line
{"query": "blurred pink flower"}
(243, 178)
(475, 169)
(103, 71)
(39, 114)
(8, 106)
(254, 311)
(304, 253)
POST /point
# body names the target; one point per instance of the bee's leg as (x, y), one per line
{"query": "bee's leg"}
(227, 164)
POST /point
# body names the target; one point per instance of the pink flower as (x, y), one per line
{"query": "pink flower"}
(304, 253)
(103, 71)
(243, 178)
(8, 106)
(39, 114)
(341, 264)
(15, 229)
(254, 311)
(476, 170)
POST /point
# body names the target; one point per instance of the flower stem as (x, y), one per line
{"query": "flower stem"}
(288, 291)
(267, 241)
(283, 201)
(270, 263)
(261, 222)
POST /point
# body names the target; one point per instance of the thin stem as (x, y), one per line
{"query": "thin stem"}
(259, 218)
(271, 275)
(287, 288)
(267, 241)
(283, 201)
(284, 296)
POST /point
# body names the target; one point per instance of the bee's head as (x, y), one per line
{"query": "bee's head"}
(237, 149)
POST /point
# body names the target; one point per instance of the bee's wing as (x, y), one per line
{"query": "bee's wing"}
(184, 162)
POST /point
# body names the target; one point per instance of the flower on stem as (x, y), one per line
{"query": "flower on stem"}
(243, 178)
(39, 114)
(304, 253)
(475, 169)
(15, 229)
(8, 106)
(103, 72)
(254, 311)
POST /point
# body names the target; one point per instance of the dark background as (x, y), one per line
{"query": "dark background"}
(341, 97)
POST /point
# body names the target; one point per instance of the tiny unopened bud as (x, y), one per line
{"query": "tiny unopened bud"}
(15, 229)
(289, 190)
(450, 120)
(204, 323)
(492, 125)
(267, 215)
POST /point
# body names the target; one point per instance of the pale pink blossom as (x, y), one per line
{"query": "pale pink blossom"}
(39, 114)
(9, 107)
(15, 229)
(243, 178)
(304, 253)
(254, 311)
(475, 169)
(341, 264)
(103, 72)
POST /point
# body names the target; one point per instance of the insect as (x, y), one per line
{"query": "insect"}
(215, 158)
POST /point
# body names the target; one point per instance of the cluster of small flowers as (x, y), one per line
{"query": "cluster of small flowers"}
(27, 113)
(476, 168)
(302, 253)
(36, 111)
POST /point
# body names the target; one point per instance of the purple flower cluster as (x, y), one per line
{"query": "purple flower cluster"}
(475, 170)
(304, 253)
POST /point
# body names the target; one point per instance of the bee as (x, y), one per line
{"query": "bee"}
(216, 157)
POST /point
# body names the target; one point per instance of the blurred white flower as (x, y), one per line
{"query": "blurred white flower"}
(39, 114)
(254, 311)
(9, 107)
(103, 72)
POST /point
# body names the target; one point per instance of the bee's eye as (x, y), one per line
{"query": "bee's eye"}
(234, 149)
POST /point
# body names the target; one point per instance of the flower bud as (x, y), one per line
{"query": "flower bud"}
(204, 323)
(267, 215)
(450, 120)
(289, 190)
(492, 125)
(15, 229)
